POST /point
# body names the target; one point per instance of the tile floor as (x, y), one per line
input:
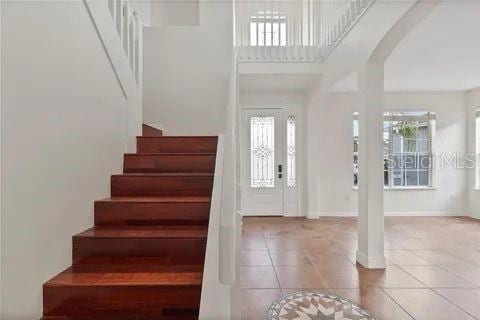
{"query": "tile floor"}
(433, 270)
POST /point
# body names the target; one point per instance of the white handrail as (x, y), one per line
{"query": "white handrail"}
(296, 30)
(220, 289)
(215, 303)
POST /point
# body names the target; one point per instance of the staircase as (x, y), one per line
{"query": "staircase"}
(144, 257)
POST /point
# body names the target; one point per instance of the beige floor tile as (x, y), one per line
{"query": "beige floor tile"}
(466, 299)
(436, 277)
(405, 243)
(341, 277)
(255, 302)
(438, 257)
(289, 258)
(376, 302)
(405, 258)
(319, 255)
(424, 304)
(254, 243)
(328, 261)
(258, 278)
(299, 277)
(256, 258)
(390, 277)
(469, 272)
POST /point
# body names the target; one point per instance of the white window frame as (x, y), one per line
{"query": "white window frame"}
(355, 146)
(291, 161)
(268, 20)
(388, 172)
(477, 148)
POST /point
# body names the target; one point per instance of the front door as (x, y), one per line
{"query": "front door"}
(262, 157)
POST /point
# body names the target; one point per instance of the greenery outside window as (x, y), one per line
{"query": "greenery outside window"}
(407, 149)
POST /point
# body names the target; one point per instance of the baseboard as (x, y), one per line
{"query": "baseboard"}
(475, 216)
(316, 215)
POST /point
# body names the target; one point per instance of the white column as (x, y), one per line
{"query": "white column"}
(370, 251)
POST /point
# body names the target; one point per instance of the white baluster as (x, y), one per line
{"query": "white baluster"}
(111, 7)
(126, 23)
(132, 39)
(120, 17)
(138, 47)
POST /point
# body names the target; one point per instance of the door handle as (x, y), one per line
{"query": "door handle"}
(280, 171)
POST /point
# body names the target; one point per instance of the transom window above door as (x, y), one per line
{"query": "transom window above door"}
(407, 149)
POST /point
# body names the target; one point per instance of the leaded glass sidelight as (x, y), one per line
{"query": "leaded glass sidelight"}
(262, 148)
(291, 177)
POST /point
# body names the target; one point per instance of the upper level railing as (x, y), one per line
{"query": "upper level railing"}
(293, 30)
(128, 25)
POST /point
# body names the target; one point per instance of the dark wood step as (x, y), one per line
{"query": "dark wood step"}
(120, 317)
(144, 259)
(91, 293)
(136, 211)
(173, 245)
(176, 144)
(170, 162)
(162, 184)
(149, 131)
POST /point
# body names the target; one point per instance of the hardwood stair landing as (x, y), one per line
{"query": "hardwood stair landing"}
(144, 257)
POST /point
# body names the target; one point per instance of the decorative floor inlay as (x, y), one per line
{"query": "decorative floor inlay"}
(316, 306)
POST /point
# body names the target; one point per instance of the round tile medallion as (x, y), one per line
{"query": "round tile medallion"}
(316, 306)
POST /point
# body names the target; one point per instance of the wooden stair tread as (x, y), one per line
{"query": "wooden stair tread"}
(145, 257)
(150, 232)
(176, 137)
(179, 199)
(168, 275)
(126, 263)
(166, 174)
(171, 154)
(121, 317)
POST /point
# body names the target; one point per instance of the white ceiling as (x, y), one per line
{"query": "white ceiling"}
(441, 53)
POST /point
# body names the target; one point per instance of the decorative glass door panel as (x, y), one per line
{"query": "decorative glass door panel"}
(291, 150)
(262, 155)
(270, 161)
(262, 150)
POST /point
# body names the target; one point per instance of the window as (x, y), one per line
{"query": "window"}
(355, 148)
(407, 149)
(262, 146)
(477, 148)
(268, 28)
(291, 167)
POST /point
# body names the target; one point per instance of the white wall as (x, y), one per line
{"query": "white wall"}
(186, 73)
(63, 134)
(175, 13)
(472, 105)
(330, 136)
